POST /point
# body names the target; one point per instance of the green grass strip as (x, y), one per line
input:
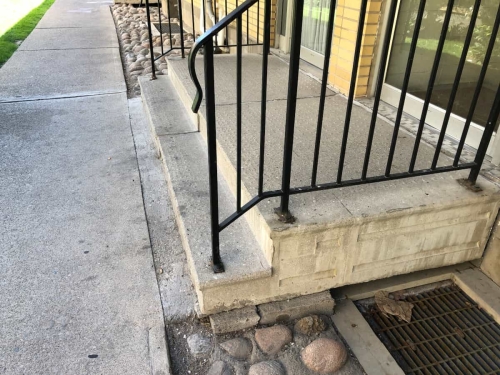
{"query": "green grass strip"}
(21, 30)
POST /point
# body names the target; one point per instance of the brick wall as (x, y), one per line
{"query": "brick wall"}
(344, 41)
(254, 18)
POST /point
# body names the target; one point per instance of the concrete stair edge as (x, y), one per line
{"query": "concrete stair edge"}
(258, 224)
(183, 142)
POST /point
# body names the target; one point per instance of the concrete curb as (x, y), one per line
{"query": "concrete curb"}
(158, 351)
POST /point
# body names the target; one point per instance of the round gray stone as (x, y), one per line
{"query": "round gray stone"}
(199, 345)
(266, 368)
(220, 368)
(135, 66)
(239, 348)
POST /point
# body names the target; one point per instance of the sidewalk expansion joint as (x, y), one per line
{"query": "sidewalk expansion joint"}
(178, 133)
(64, 49)
(21, 100)
(271, 100)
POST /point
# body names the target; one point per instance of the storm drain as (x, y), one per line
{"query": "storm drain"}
(174, 28)
(448, 333)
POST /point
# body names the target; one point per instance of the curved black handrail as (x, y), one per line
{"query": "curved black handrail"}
(202, 40)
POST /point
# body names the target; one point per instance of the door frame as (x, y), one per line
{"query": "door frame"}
(284, 41)
(414, 105)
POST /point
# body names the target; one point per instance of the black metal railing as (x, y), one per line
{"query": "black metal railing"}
(178, 26)
(206, 43)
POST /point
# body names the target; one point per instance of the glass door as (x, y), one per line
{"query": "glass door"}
(424, 58)
(314, 30)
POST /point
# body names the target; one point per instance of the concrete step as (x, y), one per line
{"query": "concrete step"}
(184, 157)
(341, 236)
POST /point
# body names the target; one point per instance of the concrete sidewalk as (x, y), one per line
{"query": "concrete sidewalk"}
(78, 292)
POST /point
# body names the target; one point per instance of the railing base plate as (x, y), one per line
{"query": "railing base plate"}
(284, 217)
(469, 185)
(218, 267)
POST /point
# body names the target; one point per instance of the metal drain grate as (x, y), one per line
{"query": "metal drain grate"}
(448, 334)
(165, 28)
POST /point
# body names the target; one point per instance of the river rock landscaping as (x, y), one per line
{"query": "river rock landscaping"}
(132, 29)
(307, 346)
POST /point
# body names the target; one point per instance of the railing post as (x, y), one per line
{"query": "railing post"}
(485, 140)
(208, 58)
(181, 24)
(150, 35)
(263, 103)
(322, 96)
(293, 81)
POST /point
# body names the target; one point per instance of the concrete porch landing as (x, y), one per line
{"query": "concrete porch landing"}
(342, 236)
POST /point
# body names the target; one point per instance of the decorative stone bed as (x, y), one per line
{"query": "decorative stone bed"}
(306, 346)
(132, 29)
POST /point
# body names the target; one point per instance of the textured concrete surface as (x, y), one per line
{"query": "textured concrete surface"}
(75, 38)
(73, 51)
(78, 14)
(235, 320)
(78, 290)
(185, 163)
(481, 289)
(163, 108)
(225, 88)
(342, 236)
(78, 275)
(490, 264)
(283, 311)
(75, 72)
(176, 290)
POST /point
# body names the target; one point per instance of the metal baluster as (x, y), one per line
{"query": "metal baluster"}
(258, 20)
(151, 53)
(204, 16)
(404, 87)
(352, 88)
(263, 103)
(248, 21)
(192, 19)
(217, 264)
(239, 42)
(181, 24)
(227, 34)
(456, 83)
(161, 29)
(432, 79)
(485, 139)
(324, 79)
(479, 86)
(293, 81)
(380, 84)
(169, 25)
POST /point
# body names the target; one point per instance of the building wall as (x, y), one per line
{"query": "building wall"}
(344, 41)
(490, 263)
(252, 20)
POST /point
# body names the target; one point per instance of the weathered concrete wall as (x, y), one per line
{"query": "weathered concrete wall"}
(309, 260)
(386, 239)
(490, 264)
